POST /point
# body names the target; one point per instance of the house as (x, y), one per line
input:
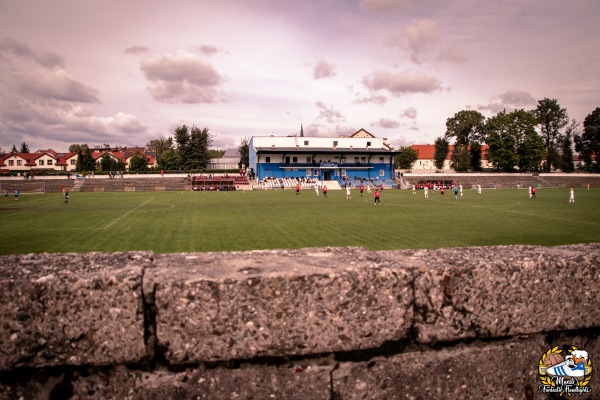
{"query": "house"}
(52, 160)
(426, 161)
(230, 160)
(361, 155)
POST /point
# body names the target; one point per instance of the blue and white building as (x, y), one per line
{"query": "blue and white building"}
(361, 156)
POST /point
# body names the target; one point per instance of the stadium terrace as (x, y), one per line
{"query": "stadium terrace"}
(361, 156)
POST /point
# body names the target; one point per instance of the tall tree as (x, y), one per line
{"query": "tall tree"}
(551, 119)
(138, 161)
(159, 146)
(567, 157)
(108, 163)
(406, 157)
(14, 149)
(466, 127)
(588, 143)
(182, 137)
(475, 151)
(193, 147)
(244, 150)
(24, 148)
(501, 138)
(441, 152)
(200, 140)
(85, 160)
(171, 160)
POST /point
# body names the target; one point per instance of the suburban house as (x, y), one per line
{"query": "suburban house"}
(230, 160)
(426, 161)
(361, 155)
(52, 160)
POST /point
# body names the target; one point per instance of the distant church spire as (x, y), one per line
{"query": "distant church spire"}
(301, 130)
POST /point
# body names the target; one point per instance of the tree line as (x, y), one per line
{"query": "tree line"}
(541, 139)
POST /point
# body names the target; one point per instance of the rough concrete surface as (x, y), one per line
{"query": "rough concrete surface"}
(499, 370)
(301, 381)
(71, 309)
(500, 291)
(329, 323)
(224, 306)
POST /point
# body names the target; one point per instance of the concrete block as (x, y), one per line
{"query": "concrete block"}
(306, 380)
(482, 292)
(224, 306)
(506, 370)
(71, 309)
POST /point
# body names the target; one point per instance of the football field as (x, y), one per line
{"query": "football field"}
(166, 222)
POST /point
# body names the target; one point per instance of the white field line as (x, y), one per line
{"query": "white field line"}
(540, 216)
(127, 213)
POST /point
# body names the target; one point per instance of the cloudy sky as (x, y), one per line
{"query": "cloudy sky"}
(128, 71)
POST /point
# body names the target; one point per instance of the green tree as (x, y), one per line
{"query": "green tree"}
(138, 161)
(171, 160)
(85, 160)
(159, 146)
(475, 151)
(441, 152)
(406, 158)
(76, 147)
(588, 143)
(567, 157)
(244, 152)
(24, 148)
(182, 137)
(200, 140)
(14, 149)
(213, 153)
(466, 127)
(501, 138)
(108, 163)
(551, 118)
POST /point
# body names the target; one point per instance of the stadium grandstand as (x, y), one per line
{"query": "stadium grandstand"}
(359, 157)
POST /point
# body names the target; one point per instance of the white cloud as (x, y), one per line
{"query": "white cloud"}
(510, 100)
(421, 37)
(181, 78)
(409, 112)
(329, 114)
(398, 84)
(386, 123)
(323, 69)
(136, 50)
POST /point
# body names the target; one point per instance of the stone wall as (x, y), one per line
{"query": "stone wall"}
(327, 323)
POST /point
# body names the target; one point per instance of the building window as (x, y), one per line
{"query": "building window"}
(381, 159)
(356, 160)
(381, 172)
(368, 144)
(73, 162)
(40, 162)
(267, 159)
(335, 142)
(363, 159)
(308, 172)
(308, 159)
(294, 159)
(306, 142)
(19, 162)
(11, 163)
(49, 162)
(316, 172)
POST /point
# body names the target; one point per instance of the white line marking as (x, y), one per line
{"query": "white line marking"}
(129, 212)
(540, 216)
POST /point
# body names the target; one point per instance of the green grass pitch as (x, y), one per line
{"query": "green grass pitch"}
(166, 222)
